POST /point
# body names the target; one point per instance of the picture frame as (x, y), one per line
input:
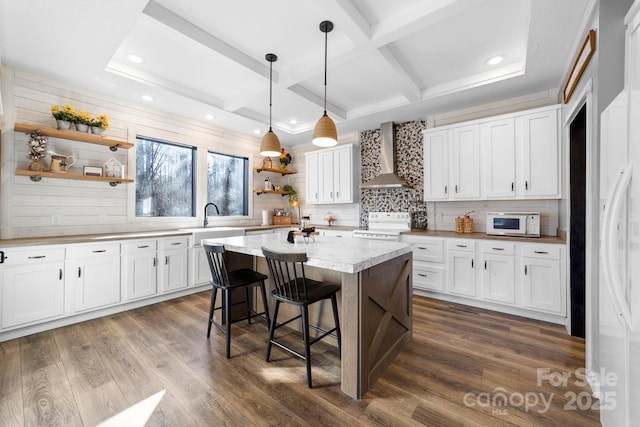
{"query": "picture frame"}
(92, 171)
(580, 64)
(278, 212)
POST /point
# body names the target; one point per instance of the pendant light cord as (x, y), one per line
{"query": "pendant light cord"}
(270, 90)
(325, 72)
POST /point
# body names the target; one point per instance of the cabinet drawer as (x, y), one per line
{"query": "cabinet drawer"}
(462, 245)
(140, 246)
(430, 250)
(101, 249)
(33, 255)
(428, 277)
(498, 248)
(541, 251)
(173, 243)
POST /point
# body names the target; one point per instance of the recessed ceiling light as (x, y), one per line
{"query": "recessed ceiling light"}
(495, 60)
(147, 97)
(257, 131)
(293, 121)
(134, 58)
(209, 117)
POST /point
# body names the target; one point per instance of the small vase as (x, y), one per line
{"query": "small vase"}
(82, 127)
(96, 130)
(63, 124)
(36, 165)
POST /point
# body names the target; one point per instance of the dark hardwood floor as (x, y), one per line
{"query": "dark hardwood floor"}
(464, 366)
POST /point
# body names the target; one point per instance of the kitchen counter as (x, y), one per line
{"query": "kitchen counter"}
(375, 296)
(561, 239)
(86, 238)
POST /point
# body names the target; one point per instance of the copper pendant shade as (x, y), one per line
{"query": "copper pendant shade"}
(325, 133)
(270, 144)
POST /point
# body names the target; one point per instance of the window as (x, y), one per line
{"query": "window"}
(228, 183)
(164, 179)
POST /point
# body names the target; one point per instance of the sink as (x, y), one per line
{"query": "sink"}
(212, 232)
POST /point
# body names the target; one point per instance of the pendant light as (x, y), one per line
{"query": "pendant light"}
(325, 133)
(270, 144)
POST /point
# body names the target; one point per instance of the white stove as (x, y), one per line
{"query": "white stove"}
(385, 226)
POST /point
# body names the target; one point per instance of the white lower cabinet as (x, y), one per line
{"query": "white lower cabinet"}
(498, 272)
(526, 279)
(139, 277)
(461, 267)
(32, 285)
(336, 233)
(173, 256)
(95, 274)
(542, 274)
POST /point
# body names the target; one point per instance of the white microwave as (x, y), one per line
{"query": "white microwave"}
(526, 224)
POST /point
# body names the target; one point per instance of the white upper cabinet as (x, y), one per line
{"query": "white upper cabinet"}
(513, 156)
(465, 164)
(537, 138)
(436, 164)
(331, 175)
(499, 150)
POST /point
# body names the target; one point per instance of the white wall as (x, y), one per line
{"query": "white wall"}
(65, 207)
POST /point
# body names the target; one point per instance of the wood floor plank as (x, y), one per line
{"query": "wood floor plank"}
(84, 373)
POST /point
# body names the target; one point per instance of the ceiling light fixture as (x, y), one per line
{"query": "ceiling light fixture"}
(134, 58)
(270, 145)
(495, 60)
(147, 97)
(209, 117)
(325, 133)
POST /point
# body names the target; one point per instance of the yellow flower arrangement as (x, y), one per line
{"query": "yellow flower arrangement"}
(82, 117)
(67, 112)
(101, 121)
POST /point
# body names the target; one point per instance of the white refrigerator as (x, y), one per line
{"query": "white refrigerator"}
(619, 284)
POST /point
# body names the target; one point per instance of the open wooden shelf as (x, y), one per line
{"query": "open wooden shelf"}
(275, 170)
(74, 136)
(282, 193)
(36, 176)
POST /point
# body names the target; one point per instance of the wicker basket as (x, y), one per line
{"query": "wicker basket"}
(467, 225)
(459, 225)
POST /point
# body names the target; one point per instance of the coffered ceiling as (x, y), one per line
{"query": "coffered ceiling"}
(387, 60)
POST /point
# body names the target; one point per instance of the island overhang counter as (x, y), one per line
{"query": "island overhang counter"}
(376, 280)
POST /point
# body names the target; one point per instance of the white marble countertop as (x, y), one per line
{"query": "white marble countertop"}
(332, 253)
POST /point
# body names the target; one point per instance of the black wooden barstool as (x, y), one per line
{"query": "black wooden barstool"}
(292, 287)
(226, 282)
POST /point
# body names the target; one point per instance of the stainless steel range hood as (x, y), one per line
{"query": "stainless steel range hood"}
(387, 177)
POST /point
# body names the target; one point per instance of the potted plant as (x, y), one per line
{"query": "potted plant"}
(99, 124)
(63, 116)
(82, 120)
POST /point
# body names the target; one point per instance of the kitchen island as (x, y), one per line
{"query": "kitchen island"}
(376, 279)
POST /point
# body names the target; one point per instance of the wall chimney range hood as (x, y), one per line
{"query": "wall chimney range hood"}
(387, 177)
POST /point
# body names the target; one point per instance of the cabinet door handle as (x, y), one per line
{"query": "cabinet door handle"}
(422, 275)
(79, 271)
(498, 249)
(525, 269)
(155, 261)
(541, 252)
(513, 186)
(456, 188)
(526, 185)
(99, 251)
(59, 274)
(461, 246)
(166, 260)
(472, 263)
(143, 246)
(446, 189)
(485, 264)
(316, 196)
(176, 243)
(337, 194)
(422, 247)
(37, 257)
(2, 257)
(331, 195)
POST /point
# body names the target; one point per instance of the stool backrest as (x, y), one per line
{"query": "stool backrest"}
(287, 273)
(215, 258)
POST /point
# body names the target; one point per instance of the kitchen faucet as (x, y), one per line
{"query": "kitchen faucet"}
(205, 212)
